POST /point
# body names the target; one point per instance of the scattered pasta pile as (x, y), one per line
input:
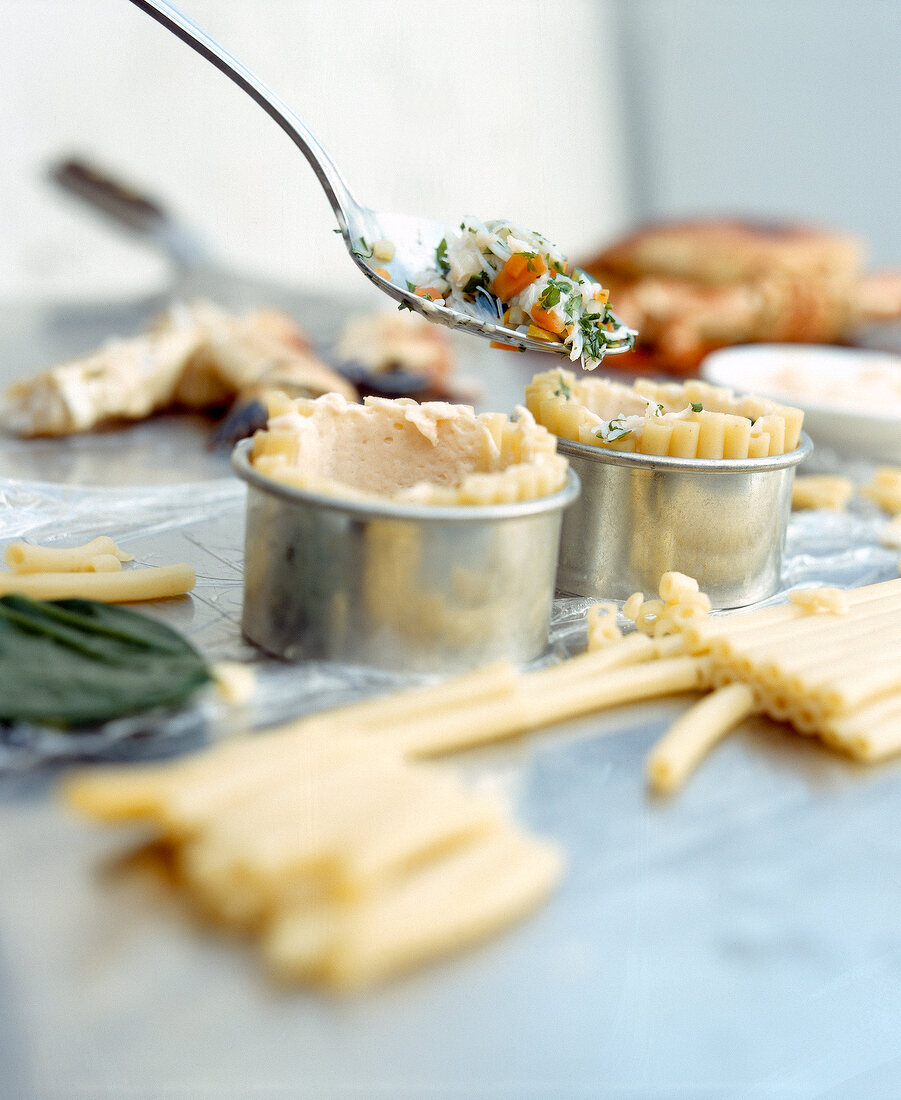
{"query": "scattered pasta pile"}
(92, 571)
(345, 860)
(682, 420)
(431, 453)
(348, 857)
(826, 662)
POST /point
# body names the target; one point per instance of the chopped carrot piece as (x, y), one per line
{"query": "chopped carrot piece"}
(518, 272)
(430, 292)
(503, 347)
(545, 319)
(384, 272)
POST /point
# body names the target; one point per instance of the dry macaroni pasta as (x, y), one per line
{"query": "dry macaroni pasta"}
(347, 862)
(832, 600)
(92, 571)
(885, 489)
(396, 862)
(679, 602)
(821, 491)
(130, 585)
(602, 625)
(826, 662)
(97, 555)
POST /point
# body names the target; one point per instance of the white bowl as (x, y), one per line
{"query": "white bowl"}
(851, 397)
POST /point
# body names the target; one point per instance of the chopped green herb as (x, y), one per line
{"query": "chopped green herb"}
(616, 429)
(364, 251)
(550, 296)
(441, 255)
(564, 389)
(476, 281)
(572, 304)
(697, 407)
(594, 343)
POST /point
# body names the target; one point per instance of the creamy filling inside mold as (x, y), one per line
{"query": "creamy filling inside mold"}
(401, 450)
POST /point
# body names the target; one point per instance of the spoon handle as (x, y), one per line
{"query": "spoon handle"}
(337, 191)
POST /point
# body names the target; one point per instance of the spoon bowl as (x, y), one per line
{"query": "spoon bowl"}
(414, 240)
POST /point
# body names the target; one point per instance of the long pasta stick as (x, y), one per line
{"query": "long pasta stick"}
(868, 683)
(463, 700)
(183, 796)
(805, 627)
(533, 705)
(442, 906)
(835, 659)
(488, 682)
(667, 676)
(180, 796)
(632, 649)
(769, 617)
(876, 743)
(691, 737)
(130, 585)
(872, 714)
(778, 665)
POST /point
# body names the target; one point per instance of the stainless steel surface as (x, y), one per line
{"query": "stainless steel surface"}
(740, 940)
(397, 587)
(415, 239)
(721, 522)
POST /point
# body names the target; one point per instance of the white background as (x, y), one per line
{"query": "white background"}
(577, 118)
(441, 110)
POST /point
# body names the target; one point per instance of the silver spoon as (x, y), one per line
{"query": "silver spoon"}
(415, 239)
